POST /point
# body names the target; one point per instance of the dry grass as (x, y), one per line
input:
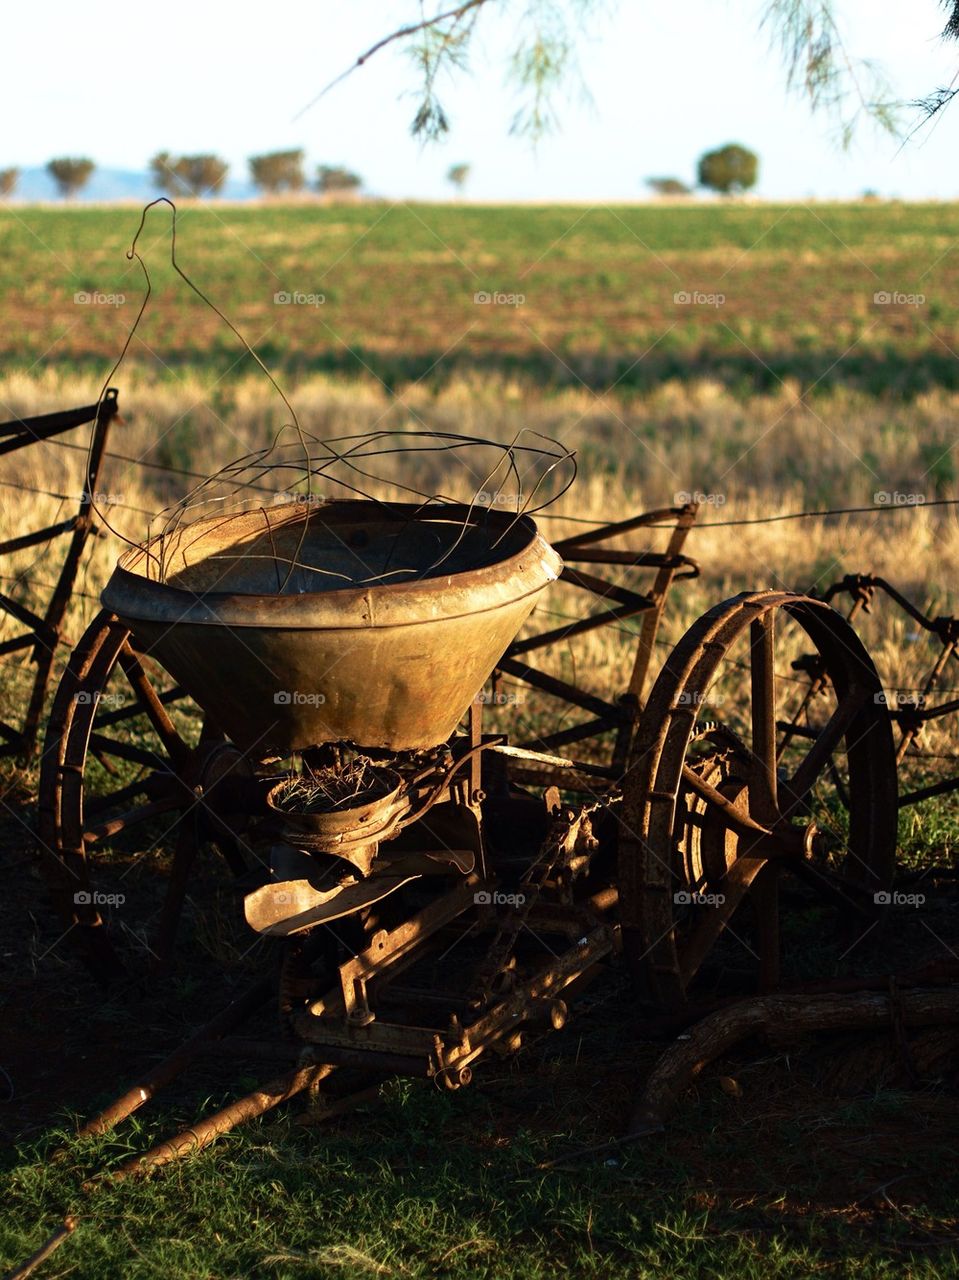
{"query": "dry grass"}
(634, 451)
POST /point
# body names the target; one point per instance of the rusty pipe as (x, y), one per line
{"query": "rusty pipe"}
(249, 1107)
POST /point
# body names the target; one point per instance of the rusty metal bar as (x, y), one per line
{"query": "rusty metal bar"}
(926, 793)
(21, 613)
(123, 821)
(566, 545)
(34, 539)
(50, 630)
(24, 431)
(336, 1055)
(606, 590)
(148, 699)
(254, 1104)
(639, 560)
(649, 629)
(575, 733)
(17, 643)
(570, 629)
(149, 1085)
(541, 757)
(55, 1241)
(561, 689)
(127, 751)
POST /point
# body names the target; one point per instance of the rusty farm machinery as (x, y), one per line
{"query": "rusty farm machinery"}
(307, 691)
(307, 695)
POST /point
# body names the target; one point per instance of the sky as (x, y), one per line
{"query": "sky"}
(666, 82)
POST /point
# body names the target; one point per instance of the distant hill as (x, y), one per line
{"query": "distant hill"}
(113, 184)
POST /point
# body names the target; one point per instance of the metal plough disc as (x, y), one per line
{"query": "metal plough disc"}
(763, 810)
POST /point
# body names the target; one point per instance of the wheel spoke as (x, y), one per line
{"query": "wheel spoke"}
(821, 752)
(844, 893)
(183, 858)
(133, 817)
(147, 697)
(733, 887)
(762, 670)
(154, 785)
(127, 751)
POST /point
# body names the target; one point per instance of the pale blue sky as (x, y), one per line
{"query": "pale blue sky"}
(120, 82)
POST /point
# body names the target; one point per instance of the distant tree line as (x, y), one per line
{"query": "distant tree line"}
(274, 173)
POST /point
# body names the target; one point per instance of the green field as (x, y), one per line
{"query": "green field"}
(782, 385)
(598, 286)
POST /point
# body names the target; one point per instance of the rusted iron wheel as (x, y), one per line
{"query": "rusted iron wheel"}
(716, 809)
(126, 752)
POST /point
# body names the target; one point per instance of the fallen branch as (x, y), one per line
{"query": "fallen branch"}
(793, 1014)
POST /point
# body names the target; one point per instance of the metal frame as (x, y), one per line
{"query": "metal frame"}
(622, 715)
(909, 714)
(46, 632)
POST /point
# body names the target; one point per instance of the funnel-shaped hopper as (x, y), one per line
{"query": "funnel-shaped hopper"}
(346, 621)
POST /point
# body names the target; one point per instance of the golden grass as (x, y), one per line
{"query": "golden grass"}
(774, 454)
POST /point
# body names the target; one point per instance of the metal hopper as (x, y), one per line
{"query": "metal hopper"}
(355, 621)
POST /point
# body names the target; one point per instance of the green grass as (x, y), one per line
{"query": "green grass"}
(429, 1184)
(598, 283)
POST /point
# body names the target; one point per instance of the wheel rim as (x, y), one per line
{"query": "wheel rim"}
(665, 957)
(117, 714)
